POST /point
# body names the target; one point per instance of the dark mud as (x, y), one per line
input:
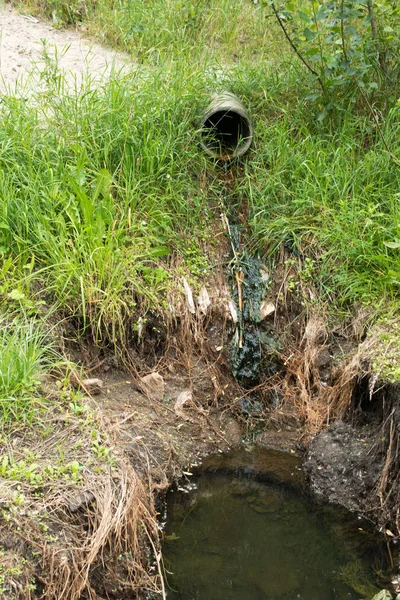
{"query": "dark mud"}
(356, 463)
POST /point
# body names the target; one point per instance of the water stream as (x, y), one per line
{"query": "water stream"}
(245, 528)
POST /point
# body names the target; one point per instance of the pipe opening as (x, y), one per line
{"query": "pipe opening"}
(226, 130)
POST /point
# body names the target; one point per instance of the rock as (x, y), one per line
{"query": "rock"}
(383, 595)
(92, 386)
(153, 385)
(266, 309)
(183, 398)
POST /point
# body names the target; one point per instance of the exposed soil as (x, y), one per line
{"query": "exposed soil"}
(356, 463)
(22, 39)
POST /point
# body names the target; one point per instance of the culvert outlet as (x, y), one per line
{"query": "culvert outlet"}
(225, 128)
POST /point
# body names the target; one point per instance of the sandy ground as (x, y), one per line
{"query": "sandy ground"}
(21, 47)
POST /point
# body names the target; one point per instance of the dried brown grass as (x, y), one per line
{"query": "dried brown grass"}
(77, 540)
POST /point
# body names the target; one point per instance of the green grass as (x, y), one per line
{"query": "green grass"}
(25, 355)
(159, 30)
(104, 188)
(334, 193)
(99, 192)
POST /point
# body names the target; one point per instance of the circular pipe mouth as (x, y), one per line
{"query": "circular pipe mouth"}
(226, 130)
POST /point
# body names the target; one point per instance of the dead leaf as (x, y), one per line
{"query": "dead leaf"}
(203, 300)
(189, 296)
(266, 309)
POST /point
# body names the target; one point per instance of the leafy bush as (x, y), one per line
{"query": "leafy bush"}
(348, 46)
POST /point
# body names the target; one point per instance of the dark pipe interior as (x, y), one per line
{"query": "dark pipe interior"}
(225, 130)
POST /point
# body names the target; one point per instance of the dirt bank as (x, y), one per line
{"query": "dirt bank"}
(356, 463)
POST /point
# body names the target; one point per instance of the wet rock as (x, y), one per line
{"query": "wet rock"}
(92, 386)
(153, 385)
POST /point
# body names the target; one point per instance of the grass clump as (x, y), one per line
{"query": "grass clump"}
(24, 357)
(331, 195)
(98, 195)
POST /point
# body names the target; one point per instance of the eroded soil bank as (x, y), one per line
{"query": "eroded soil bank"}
(115, 442)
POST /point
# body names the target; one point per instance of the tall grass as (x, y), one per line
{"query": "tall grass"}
(103, 186)
(24, 356)
(157, 30)
(334, 193)
(98, 188)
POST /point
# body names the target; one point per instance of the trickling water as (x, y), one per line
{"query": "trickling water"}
(246, 530)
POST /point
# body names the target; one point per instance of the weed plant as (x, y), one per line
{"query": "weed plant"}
(24, 357)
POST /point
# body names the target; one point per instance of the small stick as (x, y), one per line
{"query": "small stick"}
(157, 557)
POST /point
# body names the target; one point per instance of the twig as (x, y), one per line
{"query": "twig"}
(157, 556)
(296, 50)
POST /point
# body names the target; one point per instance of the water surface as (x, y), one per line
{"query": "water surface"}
(245, 529)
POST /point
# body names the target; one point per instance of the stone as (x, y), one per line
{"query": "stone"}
(153, 385)
(266, 309)
(92, 386)
(182, 399)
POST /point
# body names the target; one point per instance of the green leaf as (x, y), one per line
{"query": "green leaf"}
(304, 16)
(313, 97)
(310, 35)
(393, 245)
(159, 251)
(16, 295)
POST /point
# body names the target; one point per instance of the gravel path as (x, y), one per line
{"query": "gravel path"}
(21, 47)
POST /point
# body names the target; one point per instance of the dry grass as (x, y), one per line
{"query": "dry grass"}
(81, 538)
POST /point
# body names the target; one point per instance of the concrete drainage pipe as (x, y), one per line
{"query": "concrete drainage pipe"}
(225, 128)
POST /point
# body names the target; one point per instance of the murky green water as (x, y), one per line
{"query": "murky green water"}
(245, 530)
